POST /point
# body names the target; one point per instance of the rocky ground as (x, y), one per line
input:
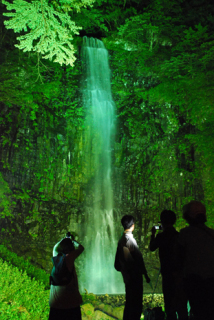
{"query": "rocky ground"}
(109, 307)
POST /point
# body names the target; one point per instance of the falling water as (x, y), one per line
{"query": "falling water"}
(99, 238)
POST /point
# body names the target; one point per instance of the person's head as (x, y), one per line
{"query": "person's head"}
(194, 212)
(167, 217)
(65, 246)
(127, 221)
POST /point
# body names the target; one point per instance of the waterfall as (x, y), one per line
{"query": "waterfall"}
(100, 239)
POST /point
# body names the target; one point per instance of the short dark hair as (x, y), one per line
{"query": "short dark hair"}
(65, 246)
(194, 212)
(168, 216)
(127, 221)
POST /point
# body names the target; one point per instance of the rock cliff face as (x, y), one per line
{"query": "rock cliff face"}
(36, 220)
(48, 166)
(47, 188)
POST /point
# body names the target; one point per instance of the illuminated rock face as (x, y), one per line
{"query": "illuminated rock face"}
(99, 226)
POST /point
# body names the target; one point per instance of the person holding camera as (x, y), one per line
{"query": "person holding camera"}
(65, 298)
(129, 261)
(165, 242)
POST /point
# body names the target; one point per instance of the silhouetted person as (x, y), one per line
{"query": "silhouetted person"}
(195, 257)
(165, 242)
(129, 261)
(65, 299)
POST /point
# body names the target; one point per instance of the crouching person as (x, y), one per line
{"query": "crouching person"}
(65, 298)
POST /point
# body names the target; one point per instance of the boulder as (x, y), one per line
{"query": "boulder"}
(87, 311)
(99, 315)
(108, 309)
(118, 312)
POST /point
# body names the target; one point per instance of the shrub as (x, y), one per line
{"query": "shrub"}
(19, 262)
(20, 296)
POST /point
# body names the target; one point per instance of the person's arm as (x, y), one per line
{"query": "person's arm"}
(147, 278)
(55, 249)
(137, 256)
(117, 264)
(154, 241)
(72, 255)
(138, 260)
(78, 249)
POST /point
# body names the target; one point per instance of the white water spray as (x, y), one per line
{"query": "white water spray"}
(100, 236)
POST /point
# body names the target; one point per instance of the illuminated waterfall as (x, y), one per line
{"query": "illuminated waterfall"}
(99, 235)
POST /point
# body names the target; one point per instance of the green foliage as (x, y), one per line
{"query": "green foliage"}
(162, 83)
(47, 31)
(161, 56)
(5, 202)
(39, 122)
(70, 5)
(24, 266)
(21, 297)
(105, 16)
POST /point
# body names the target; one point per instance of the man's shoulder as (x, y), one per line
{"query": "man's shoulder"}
(211, 230)
(127, 240)
(194, 229)
(194, 232)
(186, 234)
(185, 229)
(131, 239)
(122, 240)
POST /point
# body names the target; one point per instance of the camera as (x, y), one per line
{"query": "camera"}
(69, 235)
(158, 227)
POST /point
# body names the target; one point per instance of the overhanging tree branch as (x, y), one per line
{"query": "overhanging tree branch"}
(47, 31)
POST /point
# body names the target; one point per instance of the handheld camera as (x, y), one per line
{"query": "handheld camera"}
(70, 236)
(158, 227)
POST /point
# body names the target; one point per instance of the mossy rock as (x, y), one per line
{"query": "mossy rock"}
(87, 311)
(99, 315)
(96, 304)
(118, 312)
(100, 306)
(108, 309)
